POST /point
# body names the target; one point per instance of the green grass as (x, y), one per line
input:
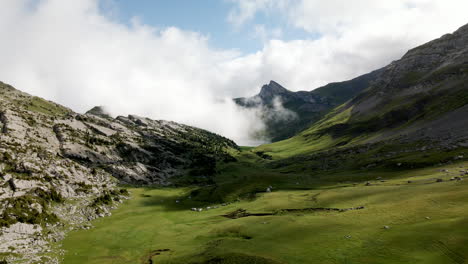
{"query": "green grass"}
(343, 127)
(243, 148)
(40, 105)
(309, 140)
(427, 223)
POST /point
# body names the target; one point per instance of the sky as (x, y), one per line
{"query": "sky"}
(183, 60)
(210, 18)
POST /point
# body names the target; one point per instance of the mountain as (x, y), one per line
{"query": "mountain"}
(380, 155)
(287, 113)
(424, 95)
(98, 111)
(418, 104)
(389, 163)
(60, 169)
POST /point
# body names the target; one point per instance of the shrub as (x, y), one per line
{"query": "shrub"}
(47, 178)
(83, 187)
(124, 192)
(105, 199)
(52, 196)
(21, 211)
(263, 155)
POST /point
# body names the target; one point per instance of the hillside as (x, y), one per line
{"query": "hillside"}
(60, 169)
(398, 123)
(287, 113)
(418, 103)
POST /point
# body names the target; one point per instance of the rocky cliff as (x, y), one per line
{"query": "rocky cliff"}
(60, 169)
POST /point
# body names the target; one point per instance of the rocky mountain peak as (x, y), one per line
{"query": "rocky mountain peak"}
(309, 106)
(99, 111)
(271, 90)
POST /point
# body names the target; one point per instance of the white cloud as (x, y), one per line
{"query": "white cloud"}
(355, 37)
(387, 16)
(245, 10)
(265, 34)
(67, 51)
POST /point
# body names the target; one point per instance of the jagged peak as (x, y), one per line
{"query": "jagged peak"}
(100, 111)
(272, 89)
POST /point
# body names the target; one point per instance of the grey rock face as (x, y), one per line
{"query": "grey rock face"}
(271, 90)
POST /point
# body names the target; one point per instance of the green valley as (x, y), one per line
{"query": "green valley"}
(369, 170)
(380, 178)
(408, 217)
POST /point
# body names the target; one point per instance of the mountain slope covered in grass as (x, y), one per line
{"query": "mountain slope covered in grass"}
(391, 126)
(418, 101)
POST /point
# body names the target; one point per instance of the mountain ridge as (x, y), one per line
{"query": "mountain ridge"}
(305, 107)
(423, 97)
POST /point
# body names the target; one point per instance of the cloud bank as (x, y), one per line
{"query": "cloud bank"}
(71, 52)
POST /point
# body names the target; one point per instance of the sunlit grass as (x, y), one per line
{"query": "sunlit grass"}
(426, 224)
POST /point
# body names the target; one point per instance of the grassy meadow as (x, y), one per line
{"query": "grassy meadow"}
(408, 217)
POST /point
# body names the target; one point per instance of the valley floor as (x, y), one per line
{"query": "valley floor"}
(408, 218)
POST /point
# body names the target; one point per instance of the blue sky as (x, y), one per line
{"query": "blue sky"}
(208, 17)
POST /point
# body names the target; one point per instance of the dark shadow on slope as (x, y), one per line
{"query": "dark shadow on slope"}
(170, 203)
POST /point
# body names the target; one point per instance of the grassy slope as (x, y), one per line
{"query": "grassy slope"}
(309, 140)
(341, 128)
(152, 220)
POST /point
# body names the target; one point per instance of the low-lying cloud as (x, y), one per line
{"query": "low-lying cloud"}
(71, 52)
